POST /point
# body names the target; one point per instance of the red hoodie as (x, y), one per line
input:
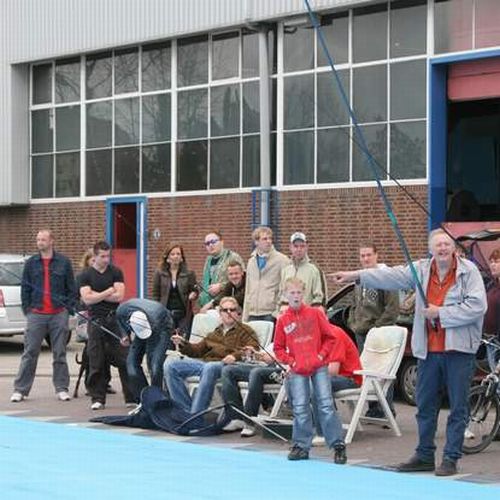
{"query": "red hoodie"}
(303, 339)
(346, 354)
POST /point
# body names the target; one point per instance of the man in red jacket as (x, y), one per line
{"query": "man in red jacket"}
(304, 341)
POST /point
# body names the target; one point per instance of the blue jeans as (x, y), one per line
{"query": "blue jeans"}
(177, 371)
(451, 371)
(299, 390)
(256, 376)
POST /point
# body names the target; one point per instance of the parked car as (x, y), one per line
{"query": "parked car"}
(12, 319)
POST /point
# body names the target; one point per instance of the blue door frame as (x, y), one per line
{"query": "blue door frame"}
(438, 128)
(141, 203)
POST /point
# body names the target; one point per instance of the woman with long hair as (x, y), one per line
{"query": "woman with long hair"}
(175, 286)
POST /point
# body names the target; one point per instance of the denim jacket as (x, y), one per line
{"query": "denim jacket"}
(159, 317)
(62, 283)
(461, 314)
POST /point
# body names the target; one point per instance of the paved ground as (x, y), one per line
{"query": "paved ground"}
(373, 447)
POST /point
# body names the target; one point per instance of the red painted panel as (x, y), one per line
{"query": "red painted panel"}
(126, 260)
(474, 80)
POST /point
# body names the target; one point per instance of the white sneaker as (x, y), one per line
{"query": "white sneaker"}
(63, 396)
(97, 405)
(248, 431)
(318, 441)
(16, 397)
(234, 425)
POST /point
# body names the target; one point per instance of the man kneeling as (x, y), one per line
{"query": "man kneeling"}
(221, 347)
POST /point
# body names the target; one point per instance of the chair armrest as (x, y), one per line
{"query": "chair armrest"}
(368, 373)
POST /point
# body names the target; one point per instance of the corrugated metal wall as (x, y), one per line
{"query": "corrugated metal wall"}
(32, 30)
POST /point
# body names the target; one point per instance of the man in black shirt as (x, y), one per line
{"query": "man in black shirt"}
(101, 289)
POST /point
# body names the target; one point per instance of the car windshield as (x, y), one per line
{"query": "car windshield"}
(10, 273)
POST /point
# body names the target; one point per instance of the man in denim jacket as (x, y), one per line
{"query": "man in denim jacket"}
(47, 293)
(446, 335)
(153, 326)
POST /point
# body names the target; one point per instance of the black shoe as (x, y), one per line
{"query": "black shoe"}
(340, 456)
(110, 390)
(447, 468)
(298, 453)
(377, 412)
(415, 464)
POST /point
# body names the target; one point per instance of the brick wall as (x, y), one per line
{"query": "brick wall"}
(335, 221)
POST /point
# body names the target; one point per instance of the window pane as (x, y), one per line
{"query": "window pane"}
(191, 166)
(408, 27)
(42, 83)
(336, 33)
(98, 172)
(99, 131)
(225, 110)
(67, 175)
(251, 110)
(298, 48)
(370, 93)
(408, 150)
(251, 161)
(68, 80)
(192, 113)
(376, 141)
(369, 38)
(127, 121)
(333, 155)
(331, 107)
(67, 128)
(156, 168)
(225, 163)
(42, 177)
(156, 118)
(192, 61)
(452, 25)
(487, 22)
(126, 170)
(225, 55)
(41, 131)
(126, 71)
(250, 40)
(156, 72)
(99, 70)
(299, 101)
(298, 165)
(408, 90)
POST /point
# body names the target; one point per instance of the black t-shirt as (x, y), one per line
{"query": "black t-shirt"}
(99, 282)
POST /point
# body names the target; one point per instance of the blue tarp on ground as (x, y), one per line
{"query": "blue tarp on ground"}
(54, 461)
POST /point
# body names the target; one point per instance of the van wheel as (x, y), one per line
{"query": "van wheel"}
(407, 381)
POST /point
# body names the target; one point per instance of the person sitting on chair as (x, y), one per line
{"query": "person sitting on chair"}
(152, 325)
(221, 347)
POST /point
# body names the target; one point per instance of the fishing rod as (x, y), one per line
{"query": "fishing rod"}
(364, 148)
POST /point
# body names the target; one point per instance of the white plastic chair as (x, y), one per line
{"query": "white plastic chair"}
(264, 331)
(381, 357)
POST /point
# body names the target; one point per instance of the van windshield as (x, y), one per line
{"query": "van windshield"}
(10, 273)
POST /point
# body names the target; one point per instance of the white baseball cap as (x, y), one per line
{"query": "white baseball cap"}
(140, 325)
(298, 236)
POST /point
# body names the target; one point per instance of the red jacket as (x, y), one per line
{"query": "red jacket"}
(346, 354)
(303, 339)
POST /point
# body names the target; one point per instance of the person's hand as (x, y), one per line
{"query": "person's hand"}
(177, 339)
(193, 296)
(229, 359)
(110, 291)
(341, 277)
(125, 341)
(206, 307)
(214, 289)
(431, 312)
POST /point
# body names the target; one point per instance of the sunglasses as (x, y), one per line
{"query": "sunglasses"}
(228, 310)
(211, 242)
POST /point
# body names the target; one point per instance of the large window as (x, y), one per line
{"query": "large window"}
(184, 115)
